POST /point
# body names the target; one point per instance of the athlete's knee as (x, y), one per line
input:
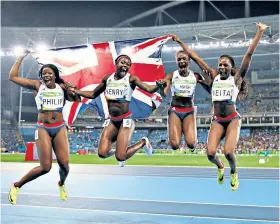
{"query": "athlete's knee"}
(45, 168)
(229, 155)
(120, 157)
(211, 157)
(174, 144)
(211, 153)
(191, 145)
(102, 155)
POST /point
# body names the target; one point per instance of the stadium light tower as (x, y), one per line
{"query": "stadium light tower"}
(247, 9)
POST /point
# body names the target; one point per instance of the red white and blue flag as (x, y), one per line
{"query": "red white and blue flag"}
(86, 65)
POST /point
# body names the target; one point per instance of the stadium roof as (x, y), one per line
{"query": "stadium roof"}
(225, 30)
(128, 13)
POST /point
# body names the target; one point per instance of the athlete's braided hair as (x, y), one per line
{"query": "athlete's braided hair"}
(58, 80)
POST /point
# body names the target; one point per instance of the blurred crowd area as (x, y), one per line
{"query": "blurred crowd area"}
(252, 140)
(260, 99)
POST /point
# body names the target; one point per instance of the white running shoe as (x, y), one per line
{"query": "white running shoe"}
(121, 164)
(148, 148)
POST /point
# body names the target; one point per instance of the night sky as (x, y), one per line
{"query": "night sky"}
(108, 14)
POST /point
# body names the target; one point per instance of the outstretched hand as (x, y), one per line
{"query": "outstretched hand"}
(26, 52)
(206, 78)
(175, 37)
(70, 88)
(261, 26)
(161, 83)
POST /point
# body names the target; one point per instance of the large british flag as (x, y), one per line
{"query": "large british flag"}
(86, 65)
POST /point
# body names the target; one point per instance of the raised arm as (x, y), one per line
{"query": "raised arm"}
(95, 93)
(167, 85)
(23, 82)
(135, 81)
(194, 56)
(248, 56)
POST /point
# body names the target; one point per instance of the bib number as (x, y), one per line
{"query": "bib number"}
(106, 123)
(127, 123)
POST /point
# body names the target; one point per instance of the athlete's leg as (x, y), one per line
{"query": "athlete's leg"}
(231, 140)
(174, 130)
(61, 149)
(123, 152)
(44, 148)
(108, 136)
(232, 137)
(190, 132)
(214, 137)
(213, 141)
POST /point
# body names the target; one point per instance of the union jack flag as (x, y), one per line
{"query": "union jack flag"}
(86, 65)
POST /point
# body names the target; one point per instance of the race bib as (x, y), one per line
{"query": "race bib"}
(127, 123)
(106, 123)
